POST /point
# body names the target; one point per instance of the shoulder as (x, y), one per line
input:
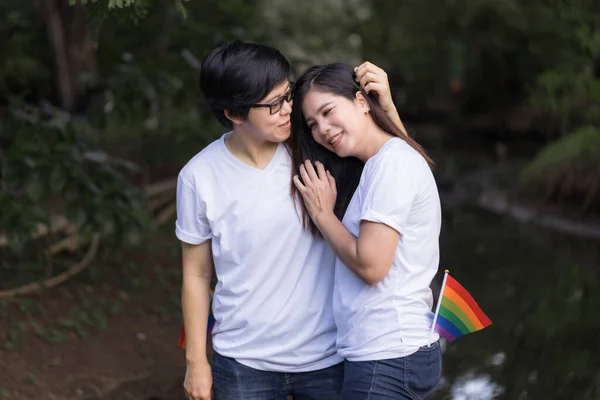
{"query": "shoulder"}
(397, 156)
(202, 164)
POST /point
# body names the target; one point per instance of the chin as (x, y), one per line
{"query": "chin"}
(283, 138)
(341, 152)
(279, 137)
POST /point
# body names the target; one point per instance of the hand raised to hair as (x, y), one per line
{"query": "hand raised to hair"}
(372, 78)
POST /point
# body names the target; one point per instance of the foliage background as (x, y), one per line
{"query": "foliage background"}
(99, 100)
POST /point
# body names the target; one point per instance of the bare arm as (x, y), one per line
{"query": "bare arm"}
(195, 300)
(370, 255)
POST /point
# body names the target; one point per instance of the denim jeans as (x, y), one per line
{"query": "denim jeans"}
(413, 377)
(234, 381)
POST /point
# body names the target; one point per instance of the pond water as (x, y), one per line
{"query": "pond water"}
(540, 288)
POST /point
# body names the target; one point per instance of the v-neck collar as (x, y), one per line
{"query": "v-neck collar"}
(247, 167)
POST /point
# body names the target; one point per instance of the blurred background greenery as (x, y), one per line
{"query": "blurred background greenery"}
(99, 109)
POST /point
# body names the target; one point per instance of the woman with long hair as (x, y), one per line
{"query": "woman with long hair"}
(372, 195)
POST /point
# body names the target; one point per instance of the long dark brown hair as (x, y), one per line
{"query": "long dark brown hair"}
(338, 79)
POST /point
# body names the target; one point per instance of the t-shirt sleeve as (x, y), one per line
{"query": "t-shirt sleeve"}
(390, 190)
(192, 225)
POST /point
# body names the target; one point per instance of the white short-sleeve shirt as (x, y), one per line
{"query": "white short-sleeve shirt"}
(392, 318)
(273, 300)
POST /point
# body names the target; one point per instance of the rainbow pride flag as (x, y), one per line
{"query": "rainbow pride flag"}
(457, 313)
(209, 326)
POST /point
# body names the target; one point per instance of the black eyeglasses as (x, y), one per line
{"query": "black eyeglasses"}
(276, 104)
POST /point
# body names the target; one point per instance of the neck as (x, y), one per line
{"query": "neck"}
(250, 149)
(373, 140)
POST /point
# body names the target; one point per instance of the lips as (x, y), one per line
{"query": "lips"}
(286, 124)
(334, 139)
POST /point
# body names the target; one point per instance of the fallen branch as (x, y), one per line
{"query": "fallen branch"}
(499, 202)
(70, 243)
(161, 187)
(161, 199)
(166, 214)
(482, 186)
(58, 223)
(58, 279)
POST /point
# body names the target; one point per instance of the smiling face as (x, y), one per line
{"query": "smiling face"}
(266, 126)
(336, 122)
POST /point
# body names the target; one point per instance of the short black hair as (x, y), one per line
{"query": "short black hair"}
(237, 74)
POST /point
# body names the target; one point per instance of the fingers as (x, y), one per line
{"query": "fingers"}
(311, 170)
(370, 82)
(190, 396)
(304, 175)
(331, 180)
(299, 185)
(368, 67)
(376, 87)
(372, 78)
(366, 78)
(310, 176)
(321, 171)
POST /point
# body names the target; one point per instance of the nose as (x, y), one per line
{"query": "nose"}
(286, 108)
(324, 128)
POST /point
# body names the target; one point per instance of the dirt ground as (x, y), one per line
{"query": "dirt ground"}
(69, 343)
(135, 358)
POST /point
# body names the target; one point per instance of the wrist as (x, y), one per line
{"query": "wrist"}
(388, 107)
(322, 218)
(194, 360)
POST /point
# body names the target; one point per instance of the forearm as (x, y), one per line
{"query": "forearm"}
(344, 244)
(392, 113)
(195, 300)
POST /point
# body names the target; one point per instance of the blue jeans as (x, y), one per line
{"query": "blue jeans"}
(234, 381)
(413, 377)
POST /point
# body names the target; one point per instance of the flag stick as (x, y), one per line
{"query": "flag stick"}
(437, 308)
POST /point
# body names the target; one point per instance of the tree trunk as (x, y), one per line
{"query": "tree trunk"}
(81, 50)
(66, 82)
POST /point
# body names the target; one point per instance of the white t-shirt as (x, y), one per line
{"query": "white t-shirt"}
(392, 318)
(273, 300)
